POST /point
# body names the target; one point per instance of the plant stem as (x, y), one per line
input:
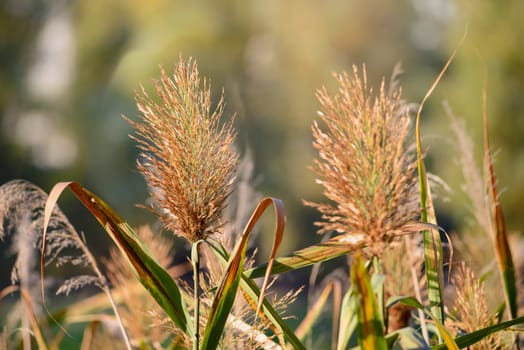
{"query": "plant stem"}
(418, 295)
(196, 290)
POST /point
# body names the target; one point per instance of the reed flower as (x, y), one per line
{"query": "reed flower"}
(363, 163)
(471, 309)
(187, 155)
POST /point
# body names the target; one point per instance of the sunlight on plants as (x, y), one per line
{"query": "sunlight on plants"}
(395, 290)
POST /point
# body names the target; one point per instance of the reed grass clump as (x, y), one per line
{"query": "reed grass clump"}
(378, 205)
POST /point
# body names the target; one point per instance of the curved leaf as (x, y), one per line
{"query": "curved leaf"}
(330, 249)
(324, 251)
(227, 290)
(146, 269)
(433, 252)
(251, 290)
(503, 252)
(315, 310)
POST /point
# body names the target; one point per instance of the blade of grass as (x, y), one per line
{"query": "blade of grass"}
(277, 240)
(227, 290)
(314, 311)
(98, 302)
(348, 321)
(8, 290)
(433, 251)
(370, 330)
(324, 251)
(330, 249)
(147, 270)
(471, 338)
(40, 341)
(337, 303)
(503, 251)
(252, 291)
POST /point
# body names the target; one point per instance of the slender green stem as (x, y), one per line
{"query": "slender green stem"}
(380, 290)
(418, 295)
(195, 259)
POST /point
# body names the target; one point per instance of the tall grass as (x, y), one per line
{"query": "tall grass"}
(377, 212)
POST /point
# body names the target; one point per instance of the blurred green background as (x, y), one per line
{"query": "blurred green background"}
(69, 69)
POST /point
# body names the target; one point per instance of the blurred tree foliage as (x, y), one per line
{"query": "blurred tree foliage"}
(493, 50)
(69, 70)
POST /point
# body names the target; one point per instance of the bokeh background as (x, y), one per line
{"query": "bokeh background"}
(69, 69)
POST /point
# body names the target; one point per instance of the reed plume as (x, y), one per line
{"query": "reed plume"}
(187, 155)
(471, 309)
(363, 163)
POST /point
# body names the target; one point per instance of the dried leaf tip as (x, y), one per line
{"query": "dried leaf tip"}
(187, 157)
(363, 163)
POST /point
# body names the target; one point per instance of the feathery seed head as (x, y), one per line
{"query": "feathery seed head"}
(187, 156)
(470, 302)
(471, 309)
(362, 161)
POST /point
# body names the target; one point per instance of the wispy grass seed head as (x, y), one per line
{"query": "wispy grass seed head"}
(187, 155)
(471, 309)
(363, 163)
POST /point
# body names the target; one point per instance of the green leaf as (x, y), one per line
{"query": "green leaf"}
(330, 249)
(503, 252)
(377, 284)
(474, 337)
(146, 269)
(252, 292)
(413, 302)
(432, 243)
(227, 291)
(315, 310)
(370, 329)
(433, 252)
(348, 318)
